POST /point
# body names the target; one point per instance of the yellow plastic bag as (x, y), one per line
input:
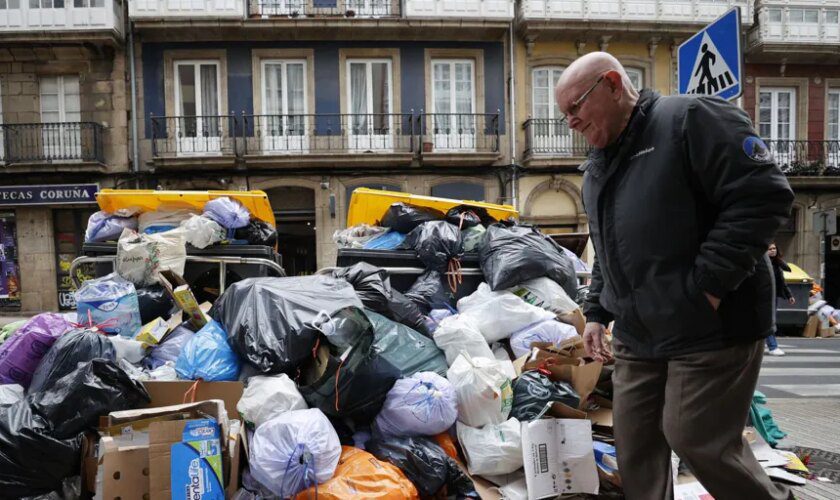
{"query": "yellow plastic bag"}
(360, 475)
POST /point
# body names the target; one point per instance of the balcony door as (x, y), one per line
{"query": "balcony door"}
(198, 125)
(777, 123)
(283, 126)
(833, 136)
(47, 13)
(369, 8)
(453, 97)
(282, 7)
(370, 122)
(551, 133)
(61, 117)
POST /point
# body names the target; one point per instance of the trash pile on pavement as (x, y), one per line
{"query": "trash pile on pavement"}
(334, 385)
(823, 319)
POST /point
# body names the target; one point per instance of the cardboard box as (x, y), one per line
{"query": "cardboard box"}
(559, 448)
(827, 333)
(811, 327)
(583, 376)
(153, 332)
(574, 318)
(180, 292)
(165, 393)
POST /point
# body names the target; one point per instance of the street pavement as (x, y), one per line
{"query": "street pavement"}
(803, 391)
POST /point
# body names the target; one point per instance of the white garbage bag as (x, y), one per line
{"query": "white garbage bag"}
(457, 334)
(545, 293)
(548, 331)
(201, 232)
(294, 451)
(141, 257)
(161, 221)
(269, 396)
(423, 404)
(498, 314)
(484, 391)
(501, 354)
(493, 449)
(10, 394)
(128, 349)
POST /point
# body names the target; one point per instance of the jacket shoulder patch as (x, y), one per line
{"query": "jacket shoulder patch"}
(756, 149)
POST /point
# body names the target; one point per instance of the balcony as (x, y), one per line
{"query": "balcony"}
(61, 20)
(550, 142)
(807, 27)
(639, 16)
(63, 146)
(202, 140)
(459, 139)
(460, 9)
(369, 9)
(186, 9)
(807, 158)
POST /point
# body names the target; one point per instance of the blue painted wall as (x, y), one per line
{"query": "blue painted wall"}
(326, 86)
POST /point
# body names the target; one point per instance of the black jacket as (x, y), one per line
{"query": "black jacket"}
(779, 267)
(686, 202)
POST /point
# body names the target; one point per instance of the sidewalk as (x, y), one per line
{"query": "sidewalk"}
(5, 320)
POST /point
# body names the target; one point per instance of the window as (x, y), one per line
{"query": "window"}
(831, 16)
(468, 191)
(46, 4)
(637, 77)
(453, 101)
(198, 105)
(284, 119)
(369, 95)
(834, 115)
(549, 131)
(775, 15)
(9, 4)
(60, 117)
(803, 15)
(88, 3)
(776, 114)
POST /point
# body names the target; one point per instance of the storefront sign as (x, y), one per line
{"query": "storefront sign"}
(59, 194)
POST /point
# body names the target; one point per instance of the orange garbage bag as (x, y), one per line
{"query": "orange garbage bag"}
(360, 475)
(444, 440)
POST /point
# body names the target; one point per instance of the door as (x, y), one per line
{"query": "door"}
(777, 124)
(832, 146)
(61, 118)
(370, 123)
(69, 237)
(453, 94)
(369, 8)
(282, 7)
(549, 131)
(284, 122)
(198, 126)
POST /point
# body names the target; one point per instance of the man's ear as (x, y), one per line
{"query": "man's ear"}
(615, 83)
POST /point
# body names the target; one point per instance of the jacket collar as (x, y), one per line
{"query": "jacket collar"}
(597, 162)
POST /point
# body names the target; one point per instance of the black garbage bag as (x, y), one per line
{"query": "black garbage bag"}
(257, 232)
(154, 303)
(75, 402)
(511, 255)
(354, 385)
(471, 216)
(425, 464)
(436, 243)
(373, 286)
(403, 218)
(533, 390)
(72, 348)
(269, 320)
(32, 462)
(430, 292)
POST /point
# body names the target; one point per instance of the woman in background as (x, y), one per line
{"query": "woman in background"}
(782, 291)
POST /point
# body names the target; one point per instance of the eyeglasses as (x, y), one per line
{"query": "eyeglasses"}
(577, 103)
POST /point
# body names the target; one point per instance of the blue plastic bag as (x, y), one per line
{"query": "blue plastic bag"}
(423, 404)
(387, 241)
(103, 226)
(111, 304)
(227, 212)
(208, 356)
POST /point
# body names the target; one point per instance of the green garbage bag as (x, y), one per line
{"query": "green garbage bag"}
(762, 419)
(6, 331)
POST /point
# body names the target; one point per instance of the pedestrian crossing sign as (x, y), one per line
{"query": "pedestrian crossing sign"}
(711, 61)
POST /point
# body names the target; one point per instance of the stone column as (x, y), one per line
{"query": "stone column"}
(36, 258)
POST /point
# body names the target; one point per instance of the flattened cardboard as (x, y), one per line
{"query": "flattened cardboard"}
(125, 470)
(161, 437)
(811, 327)
(574, 318)
(165, 393)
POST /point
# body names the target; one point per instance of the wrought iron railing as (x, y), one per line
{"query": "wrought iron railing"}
(325, 8)
(806, 158)
(459, 132)
(328, 133)
(208, 135)
(52, 142)
(553, 137)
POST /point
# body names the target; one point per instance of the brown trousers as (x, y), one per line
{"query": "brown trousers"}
(696, 405)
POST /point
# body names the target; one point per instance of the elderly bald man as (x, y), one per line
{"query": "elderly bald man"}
(683, 199)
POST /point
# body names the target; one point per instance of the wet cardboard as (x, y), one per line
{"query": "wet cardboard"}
(165, 393)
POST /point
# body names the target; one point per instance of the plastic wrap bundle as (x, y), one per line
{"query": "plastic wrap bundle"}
(21, 354)
(208, 356)
(532, 391)
(360, 475)
(160, 221)
(72, 348)
(358, 236)
(436, 244)
(269, 320)
(511, 255)
(267, 397)
(459, 333)
(141, 257)
(403, 218)
(373, 286)
(227, 212)
(294, 451)
(103, 226)
(493, 449)
(499, 314)
(110, 303)
(430, 292)
(550, 331)
(423, 404)
(545, 293)
(484, 392)
(170, 348)
(201, 232)
(257, 232)
(425, 464)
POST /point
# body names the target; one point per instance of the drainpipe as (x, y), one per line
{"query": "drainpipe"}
(135, 156)
(512, 130)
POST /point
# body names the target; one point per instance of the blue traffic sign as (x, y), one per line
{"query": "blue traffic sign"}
(711, 61)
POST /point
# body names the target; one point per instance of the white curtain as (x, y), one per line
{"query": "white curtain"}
(273, 100)
(296, 107)
(210, 100)
(443, 98)
(358, 98)
(464, 97)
